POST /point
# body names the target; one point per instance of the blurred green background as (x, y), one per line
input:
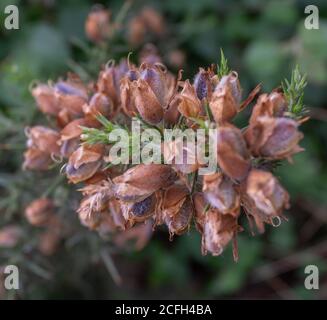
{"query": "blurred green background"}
(263, 41)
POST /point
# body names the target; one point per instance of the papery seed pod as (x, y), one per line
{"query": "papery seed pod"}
(98, 104)
(202, 84)
(35, 159)
(92, 207)
(142, 180)
(84, 163)
(10, 235)
(96, 200)
(234, 83)
(272, 105)
(43, 139)
(181, 156)
(190, 105)
(221, 193)
(70, 136)
(71, 95)
(73, 129)
(155, 76)
(232, 152)
(218, 230)
(90, 220)
(274, 138)
(97, 25)
(172, 114)
(177, 209)
(147, 103)
(268, 196)
(46, 99)
(225, 100)
(109, 81)
(39, 212)
(138, 211)
(126, 92)
(153, 21)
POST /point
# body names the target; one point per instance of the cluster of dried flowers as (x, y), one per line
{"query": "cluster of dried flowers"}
(135, 200)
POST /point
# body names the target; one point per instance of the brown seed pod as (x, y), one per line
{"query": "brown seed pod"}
(232, 152)
(139, 211)
(35, 159)
(40, 211)
(221, 193)
(97, 25)
(142, 180)
(180, 156)
(109, 81)
(176, 210)
(218, 230)
(84, 163)
(96, 200)
(225, 101)
(264, 198)
(274, 138)
(126, 93)
(43, 139)
(202, 84)
(147, 103)
(71, 95)
(189, 104)
(98, 104)
(70, 136)
(272, 105)
(46, 99)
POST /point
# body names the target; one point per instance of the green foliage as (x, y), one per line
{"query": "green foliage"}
(294, 92)
(222, 67)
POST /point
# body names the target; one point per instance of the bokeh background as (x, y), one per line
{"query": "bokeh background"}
(263, 41)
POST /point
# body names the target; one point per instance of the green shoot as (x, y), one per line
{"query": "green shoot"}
(294, 92)
(223, 68)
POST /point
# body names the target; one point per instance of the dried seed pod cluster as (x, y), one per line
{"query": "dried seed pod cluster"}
(118, 199)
